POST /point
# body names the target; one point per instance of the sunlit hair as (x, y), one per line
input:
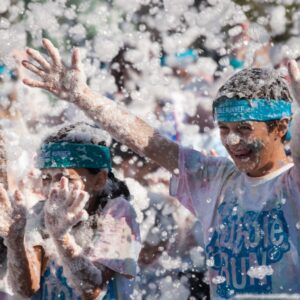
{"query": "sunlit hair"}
(255, 83)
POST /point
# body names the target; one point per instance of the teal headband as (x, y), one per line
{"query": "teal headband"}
(237, 110)
(69, 155)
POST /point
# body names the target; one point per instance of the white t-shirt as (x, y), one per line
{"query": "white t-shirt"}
(251, 225)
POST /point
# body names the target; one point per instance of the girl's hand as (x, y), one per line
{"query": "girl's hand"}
(12, 215)
(66, 83)
(32, 186)
(65, 208)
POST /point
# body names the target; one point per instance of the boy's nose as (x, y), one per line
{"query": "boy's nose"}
(233, 139)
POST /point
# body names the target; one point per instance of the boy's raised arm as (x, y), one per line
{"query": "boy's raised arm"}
(295, 143)
(70, 84)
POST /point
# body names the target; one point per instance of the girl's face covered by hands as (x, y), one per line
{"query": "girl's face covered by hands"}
(88, 182)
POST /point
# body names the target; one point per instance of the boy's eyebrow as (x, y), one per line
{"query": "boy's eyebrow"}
(246, 122)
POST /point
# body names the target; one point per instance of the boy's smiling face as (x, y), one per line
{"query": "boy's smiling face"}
(253, 147)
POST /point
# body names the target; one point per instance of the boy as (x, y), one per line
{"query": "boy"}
(248, 210)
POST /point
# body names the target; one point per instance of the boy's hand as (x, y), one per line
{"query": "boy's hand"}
(65, 208)
(66, 83)
(294, 73)
(12, 215)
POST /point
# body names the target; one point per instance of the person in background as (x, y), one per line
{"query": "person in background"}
(168, 267)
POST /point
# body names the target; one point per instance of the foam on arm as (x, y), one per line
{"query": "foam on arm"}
(81, 272)
(24, 266)
(129, 129)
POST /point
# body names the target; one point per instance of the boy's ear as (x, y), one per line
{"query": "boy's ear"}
(283, 126)
(100, 180)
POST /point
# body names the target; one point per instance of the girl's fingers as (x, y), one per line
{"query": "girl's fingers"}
(80, 216)
(79, 203)
(74, 193)
(37, 56)
(213, 152)
(64, 183)
(73, 196)
(31, 67)
(19, 198)
(53, 196)
(64, 190)
(4, 199)
(53, 52)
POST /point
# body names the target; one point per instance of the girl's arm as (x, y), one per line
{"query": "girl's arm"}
(88, 279)
(69, 84)
(24, 266)
(64, 209)
(4, 183)
(3, 169)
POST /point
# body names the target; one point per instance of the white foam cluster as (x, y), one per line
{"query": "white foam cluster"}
(260, 272)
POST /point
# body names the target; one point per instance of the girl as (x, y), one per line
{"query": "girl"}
(84, 235)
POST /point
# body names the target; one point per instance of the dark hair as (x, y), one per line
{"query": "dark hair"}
(115, 187)
(255, 83)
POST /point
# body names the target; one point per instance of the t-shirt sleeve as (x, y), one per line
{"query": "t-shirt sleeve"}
(117, 244)
(200, 180)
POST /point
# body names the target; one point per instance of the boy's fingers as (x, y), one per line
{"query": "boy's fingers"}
(37, 56)
(35, 83)
(53, 52)
(31, 67)
(294, 70)
(76, 60)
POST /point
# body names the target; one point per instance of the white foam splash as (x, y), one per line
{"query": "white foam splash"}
(260, 272)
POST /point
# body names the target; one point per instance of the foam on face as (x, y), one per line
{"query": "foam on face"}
(233, 139)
